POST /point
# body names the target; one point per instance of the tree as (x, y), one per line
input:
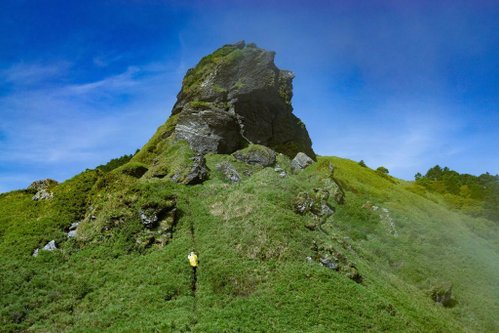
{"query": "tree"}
(362, 164)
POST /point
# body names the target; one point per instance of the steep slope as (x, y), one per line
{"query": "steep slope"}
(284, 245)
(254, 273)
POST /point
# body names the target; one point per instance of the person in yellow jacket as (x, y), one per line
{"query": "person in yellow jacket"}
(193, 261)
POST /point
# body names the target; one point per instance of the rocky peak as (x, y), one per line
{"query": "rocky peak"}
(237, 96)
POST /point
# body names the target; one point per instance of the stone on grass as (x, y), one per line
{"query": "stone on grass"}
(50, 246)
(256, 155)
(301, 161)
(229, 172)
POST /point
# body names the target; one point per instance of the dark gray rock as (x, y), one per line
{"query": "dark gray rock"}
(301, 161)
(237, 96)
(256, 155)
(199, 171)
(229, 172)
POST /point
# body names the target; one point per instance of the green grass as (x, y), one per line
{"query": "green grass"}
(254, 275)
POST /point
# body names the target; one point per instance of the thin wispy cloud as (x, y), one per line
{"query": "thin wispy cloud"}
(32, 73)
(402, 84)
(69, 125)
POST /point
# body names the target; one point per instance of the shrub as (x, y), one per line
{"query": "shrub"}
(382, 170)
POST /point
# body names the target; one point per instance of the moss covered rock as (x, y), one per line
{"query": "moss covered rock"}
(256, 155)
(234, 97)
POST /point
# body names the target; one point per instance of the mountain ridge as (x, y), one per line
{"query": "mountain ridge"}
(285, 243)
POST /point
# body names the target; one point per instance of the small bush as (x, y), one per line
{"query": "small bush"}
(382, 170)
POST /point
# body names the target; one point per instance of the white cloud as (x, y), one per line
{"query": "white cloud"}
(32, 73)
(60, 129)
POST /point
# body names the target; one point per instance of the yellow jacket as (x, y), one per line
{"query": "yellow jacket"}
(193, 259)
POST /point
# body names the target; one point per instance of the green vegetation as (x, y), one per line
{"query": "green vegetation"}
(201, 105)
(382, 170)
(115, 163)
(414, 254)
(196, 75)
(475, 195)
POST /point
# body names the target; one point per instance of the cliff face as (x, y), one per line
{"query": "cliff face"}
(237, 96)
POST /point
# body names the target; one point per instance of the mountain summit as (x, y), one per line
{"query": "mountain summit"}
(237, 96)
(285, 243)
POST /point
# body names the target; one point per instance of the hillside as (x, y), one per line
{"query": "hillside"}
(328, 247)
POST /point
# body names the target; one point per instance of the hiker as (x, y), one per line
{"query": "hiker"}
(193, 261)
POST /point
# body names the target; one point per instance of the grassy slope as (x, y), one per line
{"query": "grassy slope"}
(253, 275)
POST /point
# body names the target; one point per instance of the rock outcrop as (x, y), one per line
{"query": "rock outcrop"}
(41, 189)
(237, 96)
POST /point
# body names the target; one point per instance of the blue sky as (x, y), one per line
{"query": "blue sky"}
(403, 84)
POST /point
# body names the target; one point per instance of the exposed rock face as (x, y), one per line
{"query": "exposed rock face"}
(40, 188)
(237, 96)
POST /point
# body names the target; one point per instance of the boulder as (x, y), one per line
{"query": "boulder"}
(256, 155)
(229, 172)
(301, 161)
(50, 246)
(198, 172)
(237, 96)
